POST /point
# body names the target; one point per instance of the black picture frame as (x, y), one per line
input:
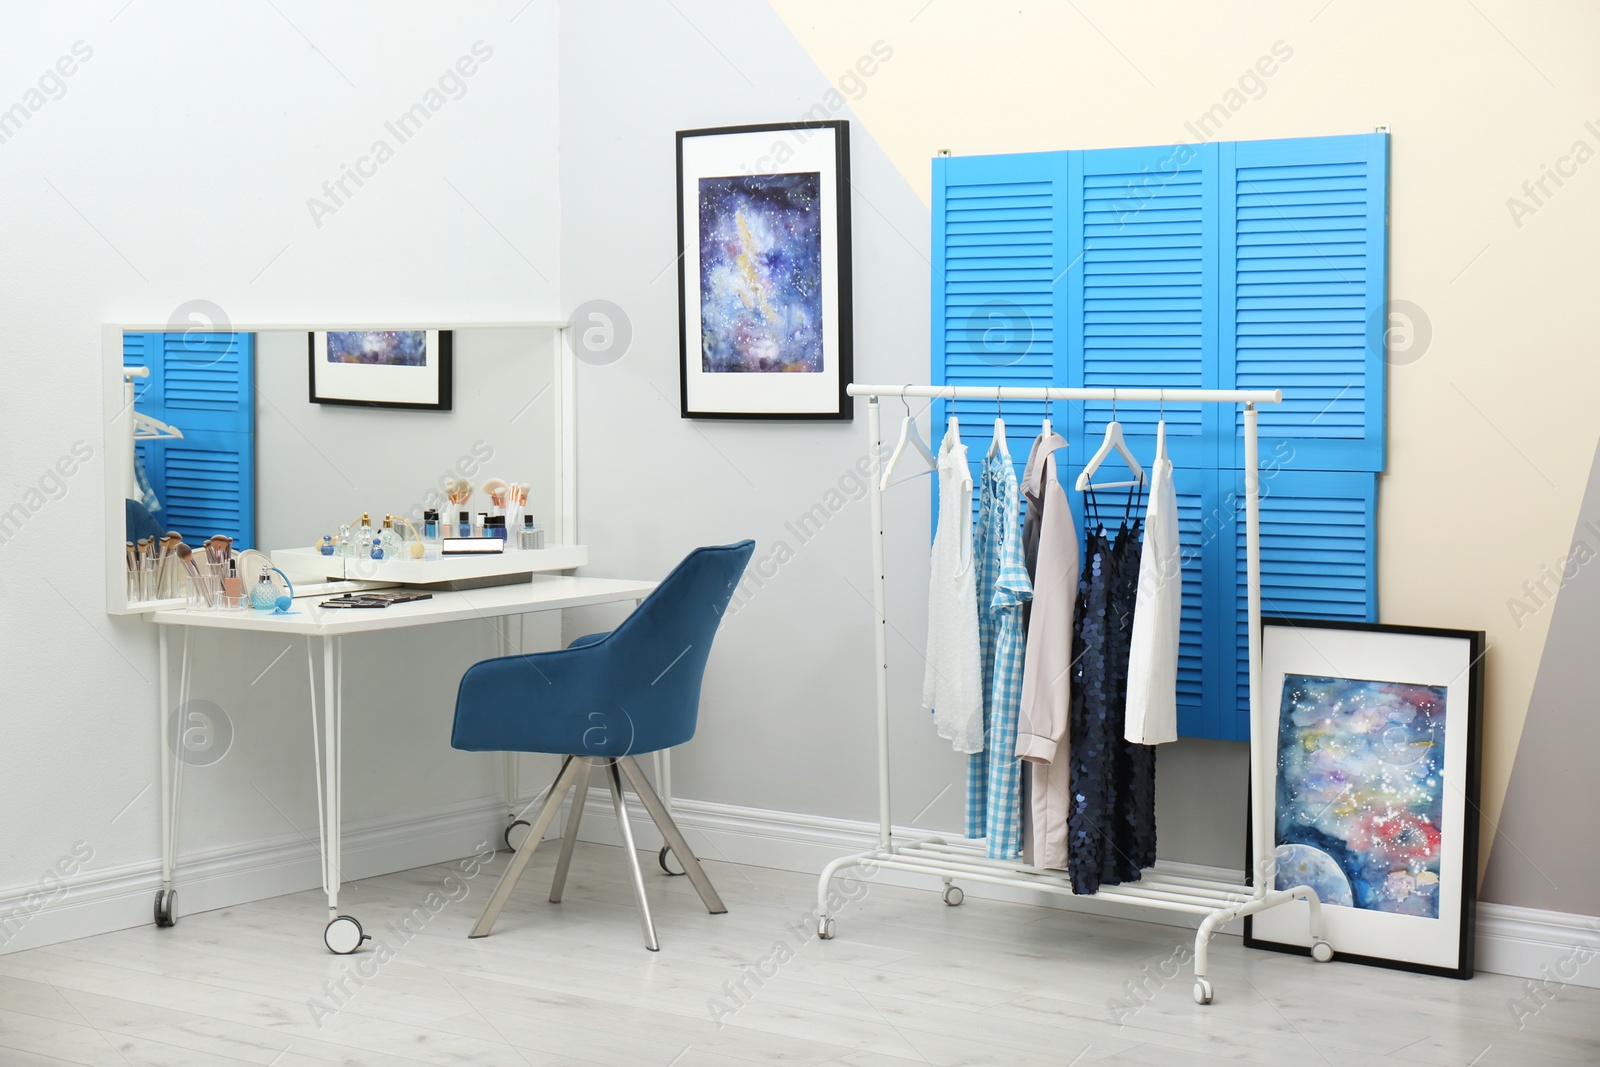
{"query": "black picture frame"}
(446, 379)
(838, 363)
(1474, 645)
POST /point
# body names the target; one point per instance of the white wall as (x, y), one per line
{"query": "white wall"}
(176, 167)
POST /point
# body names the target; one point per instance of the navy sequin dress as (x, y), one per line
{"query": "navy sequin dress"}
(1111, 824)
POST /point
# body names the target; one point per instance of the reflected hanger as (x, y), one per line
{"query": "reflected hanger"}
(1113, 441)
(909, 435)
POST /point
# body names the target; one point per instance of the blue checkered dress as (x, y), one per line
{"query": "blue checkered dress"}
(994, 784)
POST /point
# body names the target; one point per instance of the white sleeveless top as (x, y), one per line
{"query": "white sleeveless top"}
(952, 684)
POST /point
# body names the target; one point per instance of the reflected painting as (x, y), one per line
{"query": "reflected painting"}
(761, 274)
(1360, 798)
(385, 348)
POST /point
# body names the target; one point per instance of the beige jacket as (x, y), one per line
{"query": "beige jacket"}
(1042, 726)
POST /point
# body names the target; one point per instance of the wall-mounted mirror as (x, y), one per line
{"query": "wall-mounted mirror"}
(217, 433)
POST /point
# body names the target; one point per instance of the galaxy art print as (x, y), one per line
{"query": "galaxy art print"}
(388, 348)
(1361, 790)
(764, 303)
(761, 274)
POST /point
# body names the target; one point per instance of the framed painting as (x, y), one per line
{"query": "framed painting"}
(764, 271)
(378, 368)
(1375, 785)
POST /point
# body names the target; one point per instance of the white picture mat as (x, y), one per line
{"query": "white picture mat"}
(377, 382)
(1410, 658)
(734, 154)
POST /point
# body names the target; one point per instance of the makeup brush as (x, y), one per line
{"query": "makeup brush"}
(164, 548)
(130, 556)
(497, 492)
(186, 557)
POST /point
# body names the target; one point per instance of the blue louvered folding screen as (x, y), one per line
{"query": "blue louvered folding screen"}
(1249, 264)
(203, 384)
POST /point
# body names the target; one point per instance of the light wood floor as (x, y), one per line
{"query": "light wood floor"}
(907, 981)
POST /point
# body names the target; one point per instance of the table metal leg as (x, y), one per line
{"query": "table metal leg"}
(165, 896)
(164, 714)
(343, 934)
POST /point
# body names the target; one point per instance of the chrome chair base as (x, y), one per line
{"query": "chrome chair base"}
(574, 775)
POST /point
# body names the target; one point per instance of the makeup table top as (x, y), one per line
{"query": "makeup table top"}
(543, 593)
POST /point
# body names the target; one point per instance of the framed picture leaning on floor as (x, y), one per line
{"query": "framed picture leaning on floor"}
(1375, 789)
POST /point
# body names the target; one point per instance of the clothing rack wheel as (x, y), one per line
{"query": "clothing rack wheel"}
(1321, 951)
(953, 895)
(825, 928)
(1202, 991)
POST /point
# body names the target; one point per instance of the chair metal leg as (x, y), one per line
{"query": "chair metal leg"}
(674, 836)
(580, 791)
(614, 780)
(519, 861)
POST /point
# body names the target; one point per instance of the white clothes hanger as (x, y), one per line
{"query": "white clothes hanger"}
(1113, 442)
(999, 442)
(909, 435)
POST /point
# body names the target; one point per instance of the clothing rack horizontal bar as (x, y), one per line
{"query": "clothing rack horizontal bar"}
(1021, 392)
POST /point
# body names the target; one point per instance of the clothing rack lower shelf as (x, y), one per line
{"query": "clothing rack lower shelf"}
(1218, 901)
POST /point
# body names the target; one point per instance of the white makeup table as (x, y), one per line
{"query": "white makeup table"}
(343, 933)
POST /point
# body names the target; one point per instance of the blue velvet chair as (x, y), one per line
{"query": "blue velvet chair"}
(600, 702)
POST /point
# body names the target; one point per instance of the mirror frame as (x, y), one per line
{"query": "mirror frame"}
(117, 440)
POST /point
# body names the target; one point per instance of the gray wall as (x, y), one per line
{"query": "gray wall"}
(1544, 854)
(787, 719)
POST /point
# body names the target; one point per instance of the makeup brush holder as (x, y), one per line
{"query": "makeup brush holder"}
(208, 589)
(142, 581)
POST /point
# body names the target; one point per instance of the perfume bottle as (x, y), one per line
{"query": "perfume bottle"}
(531, 536)
(388, 539)
(364, 537)
(345, 546)
(264, 597)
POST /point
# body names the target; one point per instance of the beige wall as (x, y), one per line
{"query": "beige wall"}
(1492, 424)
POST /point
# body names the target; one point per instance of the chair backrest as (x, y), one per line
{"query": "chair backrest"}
(635, 690)
(659, 652)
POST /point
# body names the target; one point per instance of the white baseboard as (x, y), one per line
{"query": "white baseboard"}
(1555, 947)
(100, 900)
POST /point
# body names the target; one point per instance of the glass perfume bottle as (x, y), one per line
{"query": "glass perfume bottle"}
(345, 546)
(389, 539)
(364, 537)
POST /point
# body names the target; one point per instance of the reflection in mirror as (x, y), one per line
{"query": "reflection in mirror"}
(216, 436)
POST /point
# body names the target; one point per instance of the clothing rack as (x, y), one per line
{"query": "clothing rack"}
(1217, 901)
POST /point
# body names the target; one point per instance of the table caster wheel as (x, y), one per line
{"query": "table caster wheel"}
(166, 901)
(953, 895)
(344, 935)
(516, 834)
(661, 858)
(1202, 991)
(825, 929)
(1321, 951)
